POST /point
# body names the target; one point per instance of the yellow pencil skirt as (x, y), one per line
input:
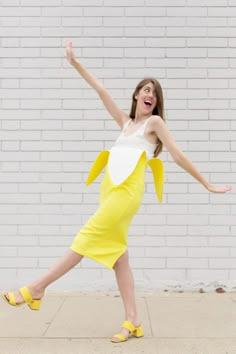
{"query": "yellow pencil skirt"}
(104, 237)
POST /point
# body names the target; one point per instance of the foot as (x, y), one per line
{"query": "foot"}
(36, 295)
(125, 331)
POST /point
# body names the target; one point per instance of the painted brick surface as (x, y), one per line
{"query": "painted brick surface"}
(53, 125)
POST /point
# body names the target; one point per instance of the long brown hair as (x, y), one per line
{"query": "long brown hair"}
(158, 110)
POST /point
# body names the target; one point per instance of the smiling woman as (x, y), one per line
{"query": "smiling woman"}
(104, 236)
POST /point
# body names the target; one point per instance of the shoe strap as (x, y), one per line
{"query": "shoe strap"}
(128, 325)
(12, 299)
(121, 337)
(26, 294)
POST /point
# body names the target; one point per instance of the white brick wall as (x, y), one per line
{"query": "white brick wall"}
(53, 125)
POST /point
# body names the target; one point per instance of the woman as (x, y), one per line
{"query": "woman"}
(104, 237)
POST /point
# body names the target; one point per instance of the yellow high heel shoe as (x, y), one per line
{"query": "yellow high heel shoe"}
(32, 303)
(134, 331)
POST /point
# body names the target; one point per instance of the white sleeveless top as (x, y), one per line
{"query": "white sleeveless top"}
(126, 152)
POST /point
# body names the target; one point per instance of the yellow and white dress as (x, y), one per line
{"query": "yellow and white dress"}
(104, 236)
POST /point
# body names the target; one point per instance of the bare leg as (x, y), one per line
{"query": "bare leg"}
(68, 261)
(125, 281)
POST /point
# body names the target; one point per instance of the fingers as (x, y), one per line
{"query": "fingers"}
(69, 50)
(69, 43)
(226, 189)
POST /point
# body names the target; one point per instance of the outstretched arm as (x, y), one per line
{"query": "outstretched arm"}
(118, 114)
(180, 158)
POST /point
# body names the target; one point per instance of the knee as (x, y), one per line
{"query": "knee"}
(122, 261)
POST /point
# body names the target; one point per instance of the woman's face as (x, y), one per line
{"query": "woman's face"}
(146, 99)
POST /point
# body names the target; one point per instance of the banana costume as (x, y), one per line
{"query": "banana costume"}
(104, 236)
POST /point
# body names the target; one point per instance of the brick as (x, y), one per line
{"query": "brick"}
(60, 32)
(10, 146)
(19, 73)
(206, 275)
(10, 2)
(146, 263)
(41, 3)
(145, 11)
(210, 252)
(21, 32)
(190, 11)
(122, 21)
(82, 2)
(124, 3)
(10, 42)
(41, 146)
(226, 11)
(194, 263)
(191, 32)
(144, 32)
(5, 93)
(207, 42)
(41, 104)
(61, 11)
(173, 275)
(10, 83)
(10, 63)
(222, 263)
(104, 11)
(166, 21)
(189, 219)
(39, 21)
(41, 83)
(20, 11)
(165, 42)
(40, 42)
(207, 3)
(19, 135)
(165, 252)
(16, 262)
(186, 52)
(123, 42)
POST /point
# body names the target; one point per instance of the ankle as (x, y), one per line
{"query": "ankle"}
(133, 318)
(36, 290)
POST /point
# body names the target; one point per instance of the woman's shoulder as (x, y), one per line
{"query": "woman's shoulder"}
(155, 120)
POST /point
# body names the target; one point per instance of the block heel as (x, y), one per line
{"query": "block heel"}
(138, 332)
(35, 304)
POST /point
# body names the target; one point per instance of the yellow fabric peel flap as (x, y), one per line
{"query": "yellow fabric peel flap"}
(157, 168)
(155, 164)
(98, 165)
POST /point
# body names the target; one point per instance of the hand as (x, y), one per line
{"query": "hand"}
(214, 189)
(69, 52)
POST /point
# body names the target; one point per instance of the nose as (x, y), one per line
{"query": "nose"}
(150, 94)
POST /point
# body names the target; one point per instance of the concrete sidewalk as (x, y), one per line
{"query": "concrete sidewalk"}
(80, 323)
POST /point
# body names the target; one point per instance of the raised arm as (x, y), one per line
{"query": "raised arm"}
(162, 132)
(118, 114)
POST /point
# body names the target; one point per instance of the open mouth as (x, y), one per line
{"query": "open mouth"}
(147, 104)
